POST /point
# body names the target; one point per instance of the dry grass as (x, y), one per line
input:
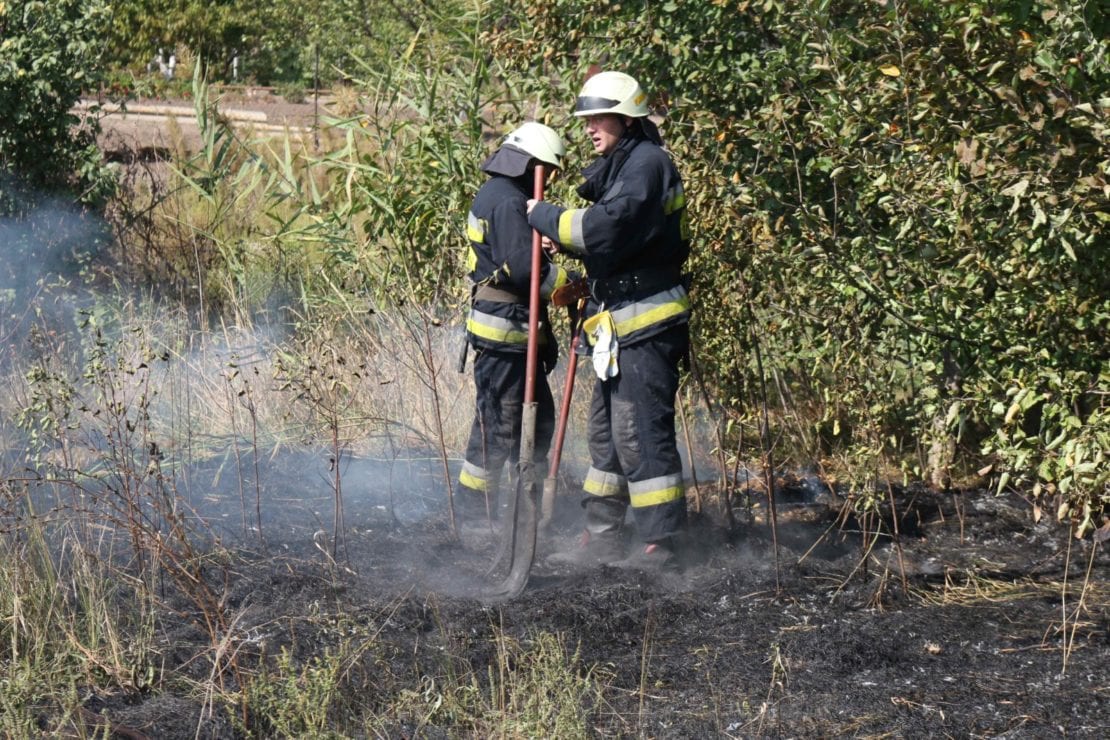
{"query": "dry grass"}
(968, 588)
(113, 431)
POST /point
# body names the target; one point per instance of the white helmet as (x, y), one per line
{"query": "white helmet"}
(538, 141)
(611, 92)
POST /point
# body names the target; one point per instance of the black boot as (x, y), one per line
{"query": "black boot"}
(476, 513)
(601, 543)
(652, 557)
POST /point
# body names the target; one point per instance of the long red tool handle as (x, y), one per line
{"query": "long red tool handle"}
(568, 389)
(547, 504)
(534, 298)
(564, 408)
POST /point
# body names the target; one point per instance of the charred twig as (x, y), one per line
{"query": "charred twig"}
(645, 661)
(1069, 637)
(696, 373)
(897, 537)
(690, 453)
(429, 359)
(765, 442)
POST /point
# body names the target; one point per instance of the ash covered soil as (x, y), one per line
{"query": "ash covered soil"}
(974, 622)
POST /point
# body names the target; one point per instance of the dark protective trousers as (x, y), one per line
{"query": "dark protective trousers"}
(495, 433)
(633, 450)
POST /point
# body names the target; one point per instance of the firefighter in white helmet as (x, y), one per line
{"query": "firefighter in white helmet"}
(499, 263)
(633, 239)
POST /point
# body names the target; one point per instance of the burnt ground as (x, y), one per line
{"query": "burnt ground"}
(959, 628)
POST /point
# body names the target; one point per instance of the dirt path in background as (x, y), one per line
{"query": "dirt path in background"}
(151, 127)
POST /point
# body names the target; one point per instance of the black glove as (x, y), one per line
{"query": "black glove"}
(549, 351)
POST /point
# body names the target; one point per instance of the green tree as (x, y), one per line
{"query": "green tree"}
(49, 54)
(140, 28)
(341, 37)
(276, 42)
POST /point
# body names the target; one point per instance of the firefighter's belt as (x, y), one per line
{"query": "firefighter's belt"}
(484, 292)
(633, 284)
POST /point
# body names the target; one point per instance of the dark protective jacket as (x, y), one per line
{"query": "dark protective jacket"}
(633, 240)
(499, 263)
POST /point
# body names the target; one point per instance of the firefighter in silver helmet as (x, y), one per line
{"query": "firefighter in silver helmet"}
(499, 263)
(633, 240)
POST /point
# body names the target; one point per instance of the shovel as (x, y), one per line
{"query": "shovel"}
(518, 536)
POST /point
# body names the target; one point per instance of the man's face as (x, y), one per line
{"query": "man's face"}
(605, 130)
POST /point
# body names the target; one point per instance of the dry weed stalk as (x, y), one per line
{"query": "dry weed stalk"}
(766, 444)
(967, 587)
(120, 478)
(690, 453)
(1080, 605)
(415, 342)
(323, 371)
(645, 662)
(776, 685)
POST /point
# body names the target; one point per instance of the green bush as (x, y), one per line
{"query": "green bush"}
(49, 54)
(291, 92)
(899, 206)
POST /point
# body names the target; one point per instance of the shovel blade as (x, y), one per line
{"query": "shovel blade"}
(518, 547)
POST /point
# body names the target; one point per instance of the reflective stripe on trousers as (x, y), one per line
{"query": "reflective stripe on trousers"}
(495, 431)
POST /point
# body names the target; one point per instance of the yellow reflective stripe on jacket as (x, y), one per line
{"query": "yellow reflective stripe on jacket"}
(674, 200)
(475, 228)
(600, 483)
(655, 491)
(655, 308)
(474, 477)
(556, 278)
(570, 230)
(497, 329)
(475, 233)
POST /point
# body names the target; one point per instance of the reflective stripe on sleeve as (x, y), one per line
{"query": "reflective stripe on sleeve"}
(556, 278)
(674, 200)
(600, 483)
(661, 490)
(655, 308)
(475, 228)
(570, 230)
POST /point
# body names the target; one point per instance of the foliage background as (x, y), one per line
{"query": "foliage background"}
(277, 43)
(900, 206)
(900, 211)
(900, 271)
(50, 52)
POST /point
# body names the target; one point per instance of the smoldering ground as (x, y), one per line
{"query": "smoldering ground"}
(994, 643)
(977, 622)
